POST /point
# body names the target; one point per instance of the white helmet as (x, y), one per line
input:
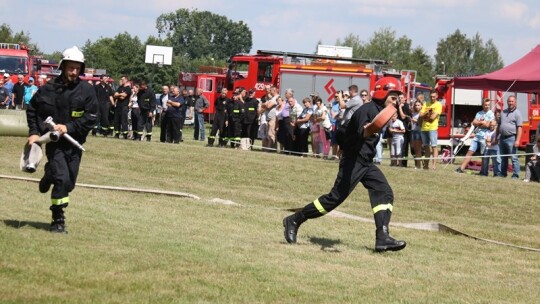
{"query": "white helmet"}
(73, 54)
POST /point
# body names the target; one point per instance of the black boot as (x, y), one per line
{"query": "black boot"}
(210, 142)
(384, 241)
(291, 224)
(58, 224)
(148, 137)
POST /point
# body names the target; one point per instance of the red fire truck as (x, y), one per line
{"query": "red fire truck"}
(16, 59)
(305, 73)
(461, 105)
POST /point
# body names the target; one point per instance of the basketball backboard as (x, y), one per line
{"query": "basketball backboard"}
(161, 55)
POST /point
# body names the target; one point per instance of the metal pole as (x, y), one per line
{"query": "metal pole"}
(49, 121)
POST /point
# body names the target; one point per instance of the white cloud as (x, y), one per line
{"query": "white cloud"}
(534, 22)
(513, 10)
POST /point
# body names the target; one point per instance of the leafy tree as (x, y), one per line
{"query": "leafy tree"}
(420, 61)
(199, 34)
(121, 55)
(7, 36)
(55, 56)
(98, 55)
(486, 56)
(124, 55)
(397, 51)
(355, 43)
(462, 55)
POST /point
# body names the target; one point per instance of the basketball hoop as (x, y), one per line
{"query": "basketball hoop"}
(158, 55)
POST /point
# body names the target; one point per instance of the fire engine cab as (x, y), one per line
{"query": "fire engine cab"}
(16, 59)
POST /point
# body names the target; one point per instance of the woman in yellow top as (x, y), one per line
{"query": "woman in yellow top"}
(430, 124)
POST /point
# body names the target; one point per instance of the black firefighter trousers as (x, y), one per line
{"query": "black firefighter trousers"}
(352, 171)
(62, 169)
(121, 119)
(102, 119)
(218, 125)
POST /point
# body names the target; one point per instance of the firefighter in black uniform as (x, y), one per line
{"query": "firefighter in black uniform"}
(72, 104)
(219, 119)
(104, 94)
(250, 116)
(229, 121)
(121, 97)
(237, 114)
(147, 103)
(183, 110)
(356, 166)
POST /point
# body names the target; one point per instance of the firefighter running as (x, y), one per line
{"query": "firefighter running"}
(357, 166)
(72, 104)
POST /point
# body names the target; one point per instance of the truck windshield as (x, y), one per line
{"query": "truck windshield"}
(12, 64)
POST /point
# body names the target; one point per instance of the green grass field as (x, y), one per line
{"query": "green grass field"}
(145, 248)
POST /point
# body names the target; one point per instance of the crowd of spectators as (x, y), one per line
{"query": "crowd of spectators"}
(17, 95)
(287, 125)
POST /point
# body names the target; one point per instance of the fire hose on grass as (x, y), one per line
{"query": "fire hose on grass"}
(32, 156)
(438, 227)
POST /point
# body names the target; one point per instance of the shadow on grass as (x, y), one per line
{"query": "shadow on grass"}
(326, 244)
(19, 224)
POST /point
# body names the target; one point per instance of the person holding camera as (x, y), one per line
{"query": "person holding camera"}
(350, 105)
(405, 114)
(430, 125)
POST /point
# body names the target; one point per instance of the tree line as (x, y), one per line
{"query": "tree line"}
(202, 38)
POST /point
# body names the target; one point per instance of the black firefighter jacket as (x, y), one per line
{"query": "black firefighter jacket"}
(72, 104)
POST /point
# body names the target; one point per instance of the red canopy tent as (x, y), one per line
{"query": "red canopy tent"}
(520, 76)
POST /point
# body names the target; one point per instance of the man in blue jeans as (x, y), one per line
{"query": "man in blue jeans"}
(481, 122)
(510, 130)
(201, 104)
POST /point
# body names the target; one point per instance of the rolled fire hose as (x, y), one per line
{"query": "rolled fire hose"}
(13, 123)
(32, 154)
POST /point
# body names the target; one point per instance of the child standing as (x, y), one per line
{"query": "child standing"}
(397, 129)
(491, 151)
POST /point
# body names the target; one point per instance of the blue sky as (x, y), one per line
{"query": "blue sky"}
(293, 25)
